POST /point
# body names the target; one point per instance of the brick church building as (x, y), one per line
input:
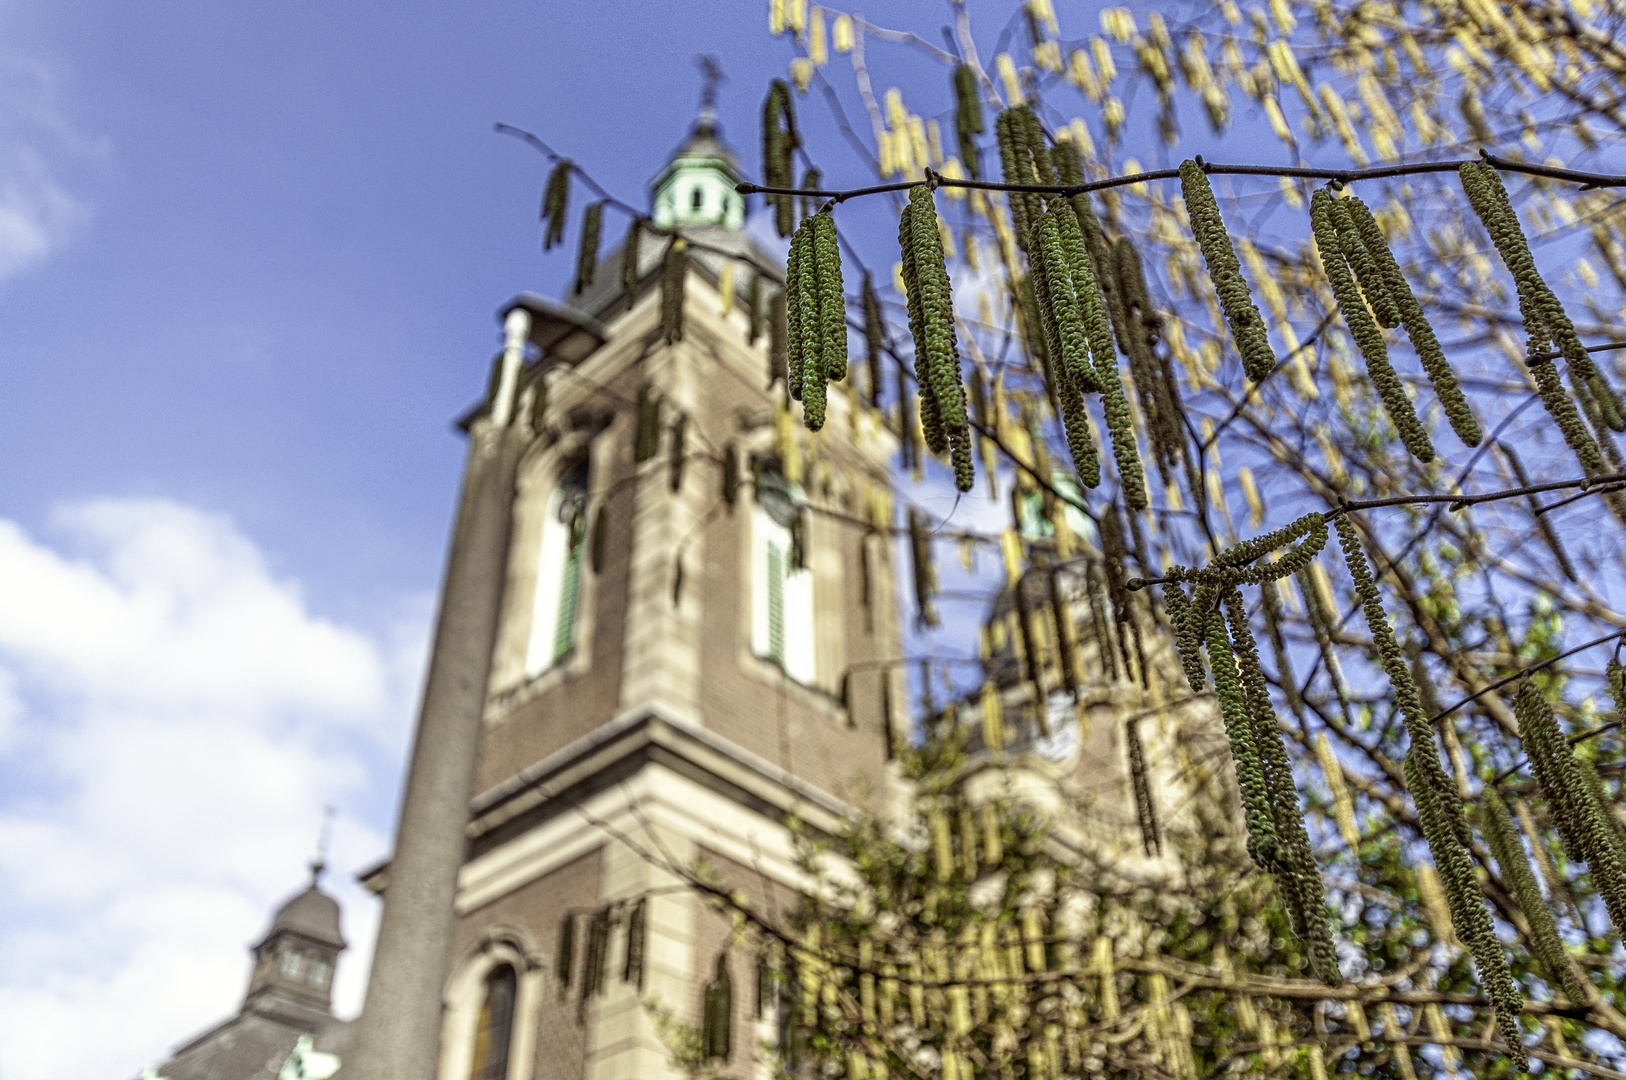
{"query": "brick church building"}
(640, 662)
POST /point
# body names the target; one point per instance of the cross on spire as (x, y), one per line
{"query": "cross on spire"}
(711, 75)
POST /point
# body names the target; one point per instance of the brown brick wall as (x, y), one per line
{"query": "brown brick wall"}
(535, 911)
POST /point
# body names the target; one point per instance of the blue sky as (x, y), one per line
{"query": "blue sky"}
(250, 256)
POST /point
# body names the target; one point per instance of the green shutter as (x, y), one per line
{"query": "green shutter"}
(564, 632)
(776, 603)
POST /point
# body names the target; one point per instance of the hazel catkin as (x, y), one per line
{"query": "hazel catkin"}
(1247, 325)
(1324, 217)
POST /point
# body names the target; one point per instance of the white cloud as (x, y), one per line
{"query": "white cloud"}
(38, 211)
(173, 717)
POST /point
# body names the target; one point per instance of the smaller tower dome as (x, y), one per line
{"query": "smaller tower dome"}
(296, 957)
(312, 914)
(697, 185)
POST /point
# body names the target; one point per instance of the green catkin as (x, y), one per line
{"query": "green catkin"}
(1496, 826)
(811, 181)
(832, 300)
(553, 203)
(753, 308)
(1058, 301)
(601, 538)
(1013, 170)
(1188, 637)
(1616, 675)
(937, 316)
(812, 327)
(1091, 303)
(1323, 222)
(637, 935)
(647, 438)
(565, 954)
(1544, 315)
(968, 122)
(925, 573)
(798, 287)
(1151, 839)
(587, 256)
(1585, 822)
(778, 338)
(1114, 402)
(1064, 391)
(810, 385)
(674, 269)
(1295, 867)
(1075, 424)
(874, 340)
(778, 142)
(1444, 380)
(731, 474)
(1544, 318)
(1438, 805)
(677, 448)
(1374, 285)
(1025, 160)
(630, 277)
(1539, 733)
(1032, 317)
(931, 417)
(1616, 832)
(1247, 325)
(1154, 378)
(1233, 704)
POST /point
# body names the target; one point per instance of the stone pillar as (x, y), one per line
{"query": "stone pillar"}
(399, 1028)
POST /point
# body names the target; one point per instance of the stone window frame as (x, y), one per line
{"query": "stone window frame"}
(465, 995)
(539, 474)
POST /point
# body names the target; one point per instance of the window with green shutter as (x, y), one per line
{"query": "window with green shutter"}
(557, 599)
(776, 603)
(570, 581)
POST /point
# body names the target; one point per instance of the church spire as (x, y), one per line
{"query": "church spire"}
(697, 185)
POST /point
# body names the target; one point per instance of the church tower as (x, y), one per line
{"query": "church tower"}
(287, 1012)
(689, 635)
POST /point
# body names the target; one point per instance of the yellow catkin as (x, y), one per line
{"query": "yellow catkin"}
(1343, 808)
(1006, 67)
(1438, 1028)
(1107, 973)
(726, 287)
(1250, 492)
(841, 33)
(1402, 1053)
(1434, 903)
(993, 844)
(817, 48)
(993, 717)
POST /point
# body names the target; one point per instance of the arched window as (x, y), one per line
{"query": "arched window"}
(697, 198)
(495, 1035)
(559, 572)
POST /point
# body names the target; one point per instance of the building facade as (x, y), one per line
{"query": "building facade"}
(685, 634)
(285, 1028)
(684, 655)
